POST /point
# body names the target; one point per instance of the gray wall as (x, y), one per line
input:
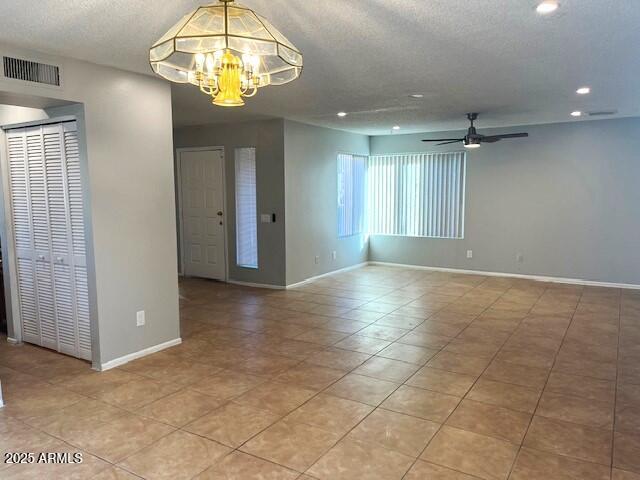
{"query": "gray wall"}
(311, 200)
(567, 198)
(268, 139)
(127, 120)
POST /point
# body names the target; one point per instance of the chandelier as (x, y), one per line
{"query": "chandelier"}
(226, 50)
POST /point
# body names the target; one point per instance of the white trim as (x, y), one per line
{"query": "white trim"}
(39, 123)
(257, 285)
(116, 362)
(179, 152)
(328, 274)
(13, 341)
(537, 278)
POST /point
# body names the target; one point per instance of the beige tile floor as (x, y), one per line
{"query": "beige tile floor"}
(378, 373)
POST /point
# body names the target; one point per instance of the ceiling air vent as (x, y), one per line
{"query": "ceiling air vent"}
(602, 113)
(29, 71)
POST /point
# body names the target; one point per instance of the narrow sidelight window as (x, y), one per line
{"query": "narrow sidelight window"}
(246, 208)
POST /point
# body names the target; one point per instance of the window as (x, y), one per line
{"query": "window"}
(417, 195)
(246, 210)
(351, 194)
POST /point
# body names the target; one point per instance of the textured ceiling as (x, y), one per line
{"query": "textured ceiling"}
(497, 57)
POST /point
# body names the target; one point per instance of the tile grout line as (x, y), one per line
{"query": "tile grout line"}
(371, 356)
(476, 380)
(406, 283)
(350, 372)
(555, 357)
(316, 395)
(237, 449)
(389, 395)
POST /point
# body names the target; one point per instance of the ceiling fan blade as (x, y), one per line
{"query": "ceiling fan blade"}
(496, 138)
(449, 142)
(444, 140)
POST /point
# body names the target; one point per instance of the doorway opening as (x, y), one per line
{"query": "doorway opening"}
(48, 288)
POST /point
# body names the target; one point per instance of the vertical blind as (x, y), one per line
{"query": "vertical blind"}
(419, 195)
(351, 194)
(246, 209)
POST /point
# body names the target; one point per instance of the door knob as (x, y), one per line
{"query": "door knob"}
(220, 213)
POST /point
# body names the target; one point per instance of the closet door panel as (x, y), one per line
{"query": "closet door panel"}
(21, 215)
(46, 197)
(41, 237)
(78, 241)
(63, 282)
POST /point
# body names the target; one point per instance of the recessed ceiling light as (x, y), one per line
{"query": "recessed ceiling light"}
(577, 113)
(342, 114)
(583, 91)
(417, 95)
(547, 6)
(396, 127)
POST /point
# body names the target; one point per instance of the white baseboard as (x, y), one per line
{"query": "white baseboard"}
(328, 274)
(116, 362)
(537, 278)
(12, 341)
(257, 285)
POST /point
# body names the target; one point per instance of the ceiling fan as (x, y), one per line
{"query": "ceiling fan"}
(473, 139)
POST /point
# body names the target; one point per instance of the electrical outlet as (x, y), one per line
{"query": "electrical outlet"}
(317, 259)
(520, 258)
(469, 253)
(140, 320)
(334, 255)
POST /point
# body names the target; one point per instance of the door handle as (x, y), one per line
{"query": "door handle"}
(219, 213)
(60, 259)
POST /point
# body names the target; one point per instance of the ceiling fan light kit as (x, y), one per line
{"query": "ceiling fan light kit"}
(473, 139)
(226, 50)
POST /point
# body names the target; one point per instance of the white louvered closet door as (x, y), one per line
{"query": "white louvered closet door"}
(48, 222)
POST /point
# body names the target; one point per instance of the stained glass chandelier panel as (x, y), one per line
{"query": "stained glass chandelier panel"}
(228, 51)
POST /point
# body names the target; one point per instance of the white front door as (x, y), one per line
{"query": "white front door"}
(202, 200)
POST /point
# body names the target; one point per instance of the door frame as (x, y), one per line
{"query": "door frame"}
(179, 152)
